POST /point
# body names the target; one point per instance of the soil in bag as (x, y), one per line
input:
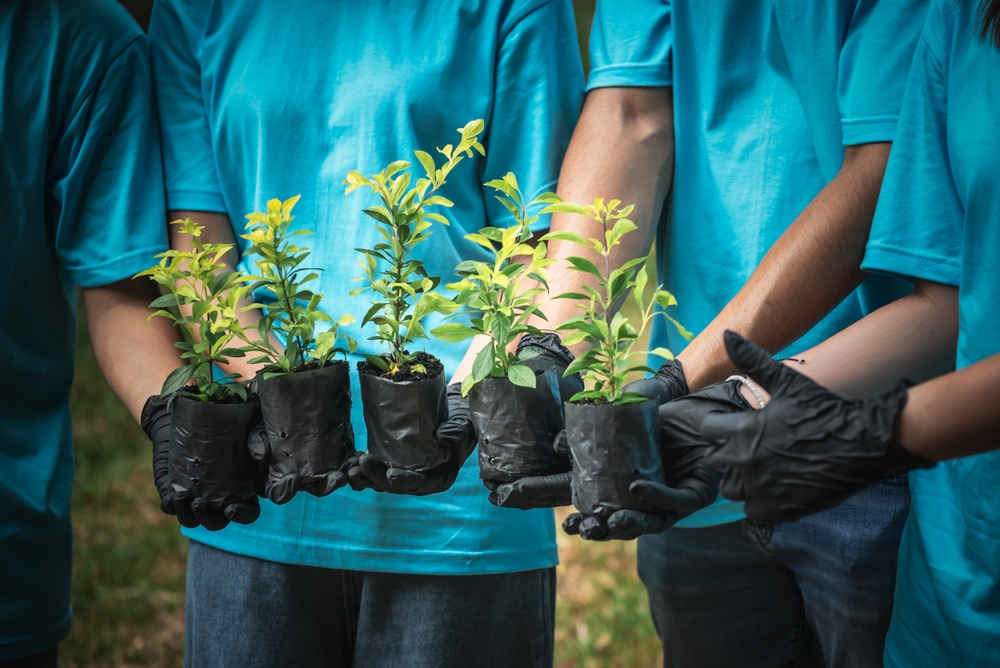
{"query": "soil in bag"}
(517, 427)
(307, 415)
(402, 412)
(611, 447)
(208, 450)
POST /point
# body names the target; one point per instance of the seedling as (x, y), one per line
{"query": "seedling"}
(403, 291)
(607, 363)
(492, 291)
(199, 284)
(294, 314)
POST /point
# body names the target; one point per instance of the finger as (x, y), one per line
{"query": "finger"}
(242, 513)
(259, 444)
(210, 517)
(717, 430)
(571, 524)
(594, 528)
(756, 363)
(679, 501)
(560, 444)
(281, 489)
(327, 484)
(630, 524)
(374, 471)
(492, 484)
(182, 509)
(548, 491)
(416, 484)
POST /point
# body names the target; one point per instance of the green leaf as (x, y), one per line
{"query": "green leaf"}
(426, 161)
(565, 236)
(482, 366)
(453, 332)
(467, 384)
(585, 265)
(378, 361)
(521, 375)
(680, 328)
(178, 378)
(565, 207)
(665, 299)
(662, 352)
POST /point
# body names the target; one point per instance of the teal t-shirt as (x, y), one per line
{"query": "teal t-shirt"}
(81, 202)
(265, 99)
(938, 219)
(766, 95)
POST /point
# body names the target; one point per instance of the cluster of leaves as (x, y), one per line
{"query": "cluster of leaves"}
(404, 291)
(493, 290)
(294, 313)
(607, 363)
(202, 300)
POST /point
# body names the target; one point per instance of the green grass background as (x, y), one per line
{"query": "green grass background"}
(129, 558)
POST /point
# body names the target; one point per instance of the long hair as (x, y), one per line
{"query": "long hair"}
(989, 16)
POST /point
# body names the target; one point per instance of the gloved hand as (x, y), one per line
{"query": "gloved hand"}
(190, 510)
(690, 484)
(539, 353)
(281, 488)
(666, 385)
(456, 433)
(808, 449)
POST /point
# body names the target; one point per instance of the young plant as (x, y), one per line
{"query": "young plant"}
(295, 312)
(492, 290)
(607, 363)
(199, 284)
(404, 291)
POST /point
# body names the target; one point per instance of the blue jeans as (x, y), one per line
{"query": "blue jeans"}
(244, 612)
(809, 593)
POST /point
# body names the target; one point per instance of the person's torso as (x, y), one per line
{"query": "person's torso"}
(297, 95)
(947, 608)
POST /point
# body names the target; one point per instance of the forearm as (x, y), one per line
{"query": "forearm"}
(622, 148)
(810, 269)
(955, 415)
(134, 358)
(913, 337)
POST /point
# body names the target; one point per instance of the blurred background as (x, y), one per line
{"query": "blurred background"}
(129, 558)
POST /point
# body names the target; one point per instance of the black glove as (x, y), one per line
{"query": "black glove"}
(456, 434)
(190, 510)
(539, 353)
(666, 385)
(281, 488)
(808, 449)
(690, 484)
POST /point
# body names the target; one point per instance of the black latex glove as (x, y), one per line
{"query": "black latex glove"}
(666, 385)
(690, 484)
(190, 510)
(456, 434)
(281, 488)
(808, 449)
(540, 353)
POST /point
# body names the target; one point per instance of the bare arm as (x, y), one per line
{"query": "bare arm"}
(812, 267)
(134, 358)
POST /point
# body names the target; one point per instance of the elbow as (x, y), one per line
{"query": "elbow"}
(642, 116)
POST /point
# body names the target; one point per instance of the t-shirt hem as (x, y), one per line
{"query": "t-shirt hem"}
(885, 259)
(195, 200)
(630, 75)
(712, 516)
(116, 269)
(348, 557)
(18, 648)
(868, 130)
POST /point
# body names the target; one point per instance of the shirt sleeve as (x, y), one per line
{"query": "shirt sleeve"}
(878, 50)
(630, 44)
(105, 178)
(538, 93)
(917, 229)
(190, 173)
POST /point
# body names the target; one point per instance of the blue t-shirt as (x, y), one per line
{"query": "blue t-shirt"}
(264, 99)
(81, 200)
(938, 219)
(766, 95)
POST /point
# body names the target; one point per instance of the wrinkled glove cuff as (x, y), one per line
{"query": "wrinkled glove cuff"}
(882, 415)
(154, 409)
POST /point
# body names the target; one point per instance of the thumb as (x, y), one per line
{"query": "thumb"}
(756, 363)
(259, 444)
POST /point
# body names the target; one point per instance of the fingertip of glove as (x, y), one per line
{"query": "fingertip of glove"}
(571, 524)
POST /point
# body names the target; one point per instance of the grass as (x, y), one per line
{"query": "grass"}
(129, 560)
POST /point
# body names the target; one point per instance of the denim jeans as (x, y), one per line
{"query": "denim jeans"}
(244, 613)
(809, 593)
